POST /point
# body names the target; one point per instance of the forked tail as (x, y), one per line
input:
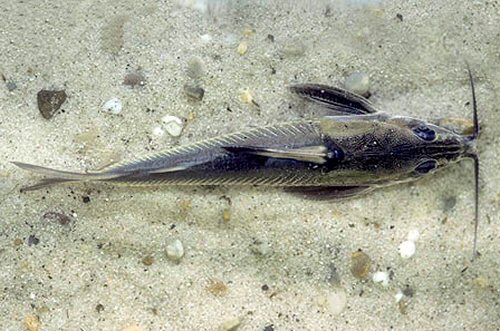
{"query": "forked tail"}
(59, 176)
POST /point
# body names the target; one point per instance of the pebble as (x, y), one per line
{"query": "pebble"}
(226, 215)
(403, 299)
(194, 92)
(230, 40)
(334, 302)
(134, 79)
(11, 85)
(333, 276)
(175, 250)
(206, 38)
(32, 323)
(173, 125)
(249, 32)
(361, 264)
(398, 296)
(294, 48)
(112, 106)
(148, 260)
(403, 305)
(246, 96)
(217, 288)
(112, 34)
(337, 302)
(381, 277)
(99, 308)
(32, 240)
(481, 281)
(409, 291)
(195, 68)
(242, 48)
(132, 328)
(231, 324)
(407, 249)
(57, 217)
(261, 248)
(158, 132)
(359, 83)
(449, 203)
(49, 102)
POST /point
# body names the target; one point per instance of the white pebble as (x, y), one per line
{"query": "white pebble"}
(407, 249)
(413, 235)
(173, 125)
(337, 302)
(158, 132)
(206, 38)
(381, 277)
(231, 324)
(399, 296)
(113, 106)
(175, 250)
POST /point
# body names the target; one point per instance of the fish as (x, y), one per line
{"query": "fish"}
(353, 149)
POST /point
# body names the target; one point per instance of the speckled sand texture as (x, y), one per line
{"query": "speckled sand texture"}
(93, 257)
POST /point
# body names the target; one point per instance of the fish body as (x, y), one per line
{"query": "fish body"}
(353, 149)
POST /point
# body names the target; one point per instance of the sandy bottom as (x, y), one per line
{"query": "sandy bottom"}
(93, 257)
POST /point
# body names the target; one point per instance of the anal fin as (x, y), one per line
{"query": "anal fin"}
(328, 192)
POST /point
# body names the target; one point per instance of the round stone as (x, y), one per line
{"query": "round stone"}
(358, 82)
(407, 249)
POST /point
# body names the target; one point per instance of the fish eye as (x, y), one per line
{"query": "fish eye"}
(426, 167)
(425, 133)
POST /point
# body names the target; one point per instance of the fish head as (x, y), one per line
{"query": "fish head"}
(428, 147)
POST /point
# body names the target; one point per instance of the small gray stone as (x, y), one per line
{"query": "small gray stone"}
(359, 83)
(261, 248)
(333, 276)
(449, 203)
(11, 86)
(135, 78)
(194, 92)
(294, 48)
(195, 68)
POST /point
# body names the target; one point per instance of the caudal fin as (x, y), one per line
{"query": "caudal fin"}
(60, 176)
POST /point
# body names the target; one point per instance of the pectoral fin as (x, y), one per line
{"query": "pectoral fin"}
(328, 192)
(336, 99)
(314, 154)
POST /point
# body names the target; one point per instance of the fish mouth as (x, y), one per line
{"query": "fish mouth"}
(470, 147)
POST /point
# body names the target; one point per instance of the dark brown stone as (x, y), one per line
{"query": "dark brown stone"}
(49, 102)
